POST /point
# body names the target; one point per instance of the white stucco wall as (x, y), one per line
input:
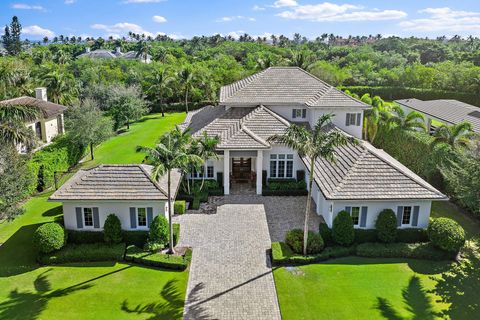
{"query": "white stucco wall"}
(50, 129)
(120, 209)
(277, 149)
(339, 119)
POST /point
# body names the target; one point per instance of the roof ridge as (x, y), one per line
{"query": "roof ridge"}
(254, 136)
(155, 183)
(351, 171)
(279, 117)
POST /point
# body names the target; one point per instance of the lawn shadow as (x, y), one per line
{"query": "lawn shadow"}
(416, 301)
(30, 304)
(53, 212)
(170, 308)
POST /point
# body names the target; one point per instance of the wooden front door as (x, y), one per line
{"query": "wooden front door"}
(241, 169)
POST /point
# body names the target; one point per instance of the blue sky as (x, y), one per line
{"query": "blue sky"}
(186, 18)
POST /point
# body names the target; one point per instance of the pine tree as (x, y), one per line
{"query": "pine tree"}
(11, 38)
(7, 39)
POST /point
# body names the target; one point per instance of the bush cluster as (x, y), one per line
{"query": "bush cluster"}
(446, 234)
(159, 260)
(286, 185)
(85, 237)
(386, 226)
(402, 250)
(282, 254)
(365, 235)
(179, 207)
(326, 234)
(49, 237)
(294, 239)
(342, 229)
(85, 253)
(412, 235)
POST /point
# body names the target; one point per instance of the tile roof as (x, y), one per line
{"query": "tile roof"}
(362, 172)
(49, 109)
(451, 111)
(286, 86)
(116, 182)
(100, 54)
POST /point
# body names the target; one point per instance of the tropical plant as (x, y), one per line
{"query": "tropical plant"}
(142, 49)
(375, 117)
(171, 153)
(13, 129)
(458, 135)
(207, 150)
(186, 77)
(61, 87)
(160, 81)
(414, 120)
(312, 145)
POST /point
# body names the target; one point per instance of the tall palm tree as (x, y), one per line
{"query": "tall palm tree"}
(186, 76)
(169, 154)
(207, 150)
(13, 130)
(375, 117)
(142, 50)
(313, 144)
(458, 135)
(160, 85)
(61, 87)
(411, 121)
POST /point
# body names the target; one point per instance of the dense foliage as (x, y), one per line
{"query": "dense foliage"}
(425, 251)
(282, 254)
(446, 234)
(179, 207)
(386, 226)
(85, 253)
(343, 232)
(112, 229)
(161, 260)
(49, 237)
(294, 239)
(158, 232)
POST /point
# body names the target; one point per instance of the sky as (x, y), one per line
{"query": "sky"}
(188, 18)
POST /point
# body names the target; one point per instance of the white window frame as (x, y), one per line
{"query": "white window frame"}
(358, 215)
(208, 171)
(85, 220)
(285, 159)
(300, 113)
(137, 216)
(410, 215)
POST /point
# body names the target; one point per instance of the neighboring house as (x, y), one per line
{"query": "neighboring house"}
(444, 111)
(49, 125)
(128, 191)
(113, 54)
(363, 180)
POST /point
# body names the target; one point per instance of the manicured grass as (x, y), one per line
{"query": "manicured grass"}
(359, 288)
(121, 148)
(449, 210)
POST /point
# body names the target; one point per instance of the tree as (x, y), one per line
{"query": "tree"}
(315, 144)
(411, 121)
(458, 135)
(61, 87)
(160, 86)
(87, 126)
(207, 150)
(169, 154)
(13, 130)
(142, 50)
(11, 38)
(126, 104)
(186, 76)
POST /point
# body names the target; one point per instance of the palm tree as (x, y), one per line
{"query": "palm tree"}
(411, 121)
(142, 50)
(61, 87)
(458, 135)
(206, 150)
(13, 130)
(160, 85)
(375, 117)
(314, 144)
(186, 76)
(169, 154)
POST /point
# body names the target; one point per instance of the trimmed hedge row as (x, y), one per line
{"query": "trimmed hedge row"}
(283, 193)
(282, 254)
(426, 251)
(407, 235)
(137, 255)
(84, 253)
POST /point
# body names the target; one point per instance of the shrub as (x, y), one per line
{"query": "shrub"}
(295, 240)
(49, 237)
(195, 204)
(412, 235)
(158, 232)
(210, 184)
(365, 235)
(286, 184)
(402, 250)
(83, 237)
(137, 238)
(342, 229)
(386, 226)
(161, 260)
(179, 207)
(446, 234)
(282, 254)
(85, 253)
(326, 234)
(112, 229)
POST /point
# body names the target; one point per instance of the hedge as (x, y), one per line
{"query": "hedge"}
(365, 235)
(412, 235)
(284, 193)
(84, 237)
(285, 184)
(446, 234)
(84, 253)
(282, 254)
(425, 251)
(179, 207)
(160, 260)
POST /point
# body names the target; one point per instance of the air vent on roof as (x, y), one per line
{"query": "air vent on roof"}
(475, 114)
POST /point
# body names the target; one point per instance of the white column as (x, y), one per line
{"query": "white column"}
(226, 172)
(259, 171)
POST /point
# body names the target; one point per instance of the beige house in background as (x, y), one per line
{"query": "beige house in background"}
(49, 125)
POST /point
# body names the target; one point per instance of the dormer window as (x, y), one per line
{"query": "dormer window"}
(299, 113)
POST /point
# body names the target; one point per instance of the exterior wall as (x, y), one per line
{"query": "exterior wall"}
(120, 209)
(339, 119)
(50, 129)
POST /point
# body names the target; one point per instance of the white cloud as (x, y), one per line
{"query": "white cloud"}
(142, 1)
(23, 6)
(122, 28)
(70, 1)
(258, 8)
(232, 18)
(285, 3)
(159, 19)
(444, 19)
(327, 11)
(38, 31)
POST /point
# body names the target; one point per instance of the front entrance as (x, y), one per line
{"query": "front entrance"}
(241, 170)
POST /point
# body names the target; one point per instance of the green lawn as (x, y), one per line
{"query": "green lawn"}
(90, 290)
(359, 288)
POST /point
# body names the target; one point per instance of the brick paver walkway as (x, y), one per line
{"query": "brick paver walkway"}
(230, 275)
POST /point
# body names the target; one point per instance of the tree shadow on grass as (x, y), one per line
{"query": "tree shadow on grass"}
(53, 212)
(416, 302)
(29, 305)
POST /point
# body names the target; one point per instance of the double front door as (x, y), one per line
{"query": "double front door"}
(241, 169)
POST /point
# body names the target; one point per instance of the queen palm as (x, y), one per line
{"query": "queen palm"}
(411, 121)
(160, 86)
(458, 135)
(313, 144)
(13, 130)
(169, 154)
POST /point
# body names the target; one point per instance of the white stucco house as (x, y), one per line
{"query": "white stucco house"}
(49, 124)
(363, 180)
(128, 191)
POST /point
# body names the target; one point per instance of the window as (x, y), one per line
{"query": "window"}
(142, 217)
(353, 119)
(88, 217)
(355, 215)
(209, 171)
(407, 213)
(299, 113)
(198, 174)
(281, 166)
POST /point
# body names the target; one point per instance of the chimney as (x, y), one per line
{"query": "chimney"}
(41, 94)
(87, 49)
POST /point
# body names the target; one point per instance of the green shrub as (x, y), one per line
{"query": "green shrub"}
(343, 232)
(85, 253)
(402, 250)
(326, 234)
(210, 184)
(386, 226)
(179, 207)
(412, 235)
(176, 233)
(282, 254)
(49, 237)
(112, 229)
(84, 237)
(160, 260)
(285, 185)
(294, 239)
(136, 238)
(365, 235)
(446, 234)
(195, 204)
(158, 232)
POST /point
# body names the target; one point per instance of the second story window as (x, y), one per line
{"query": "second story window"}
(299, 113)
(353, 119)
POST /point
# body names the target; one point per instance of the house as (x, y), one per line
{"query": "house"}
(363, 180)
(113, 54)
(49, 125)
(443, 111)
(128, 191)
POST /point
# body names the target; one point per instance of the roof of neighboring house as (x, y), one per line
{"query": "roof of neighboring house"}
(451, 111)
(116, 182)
(134, 55)
(363, 172)
(49, 109)
(286, 86)
(99, 53)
